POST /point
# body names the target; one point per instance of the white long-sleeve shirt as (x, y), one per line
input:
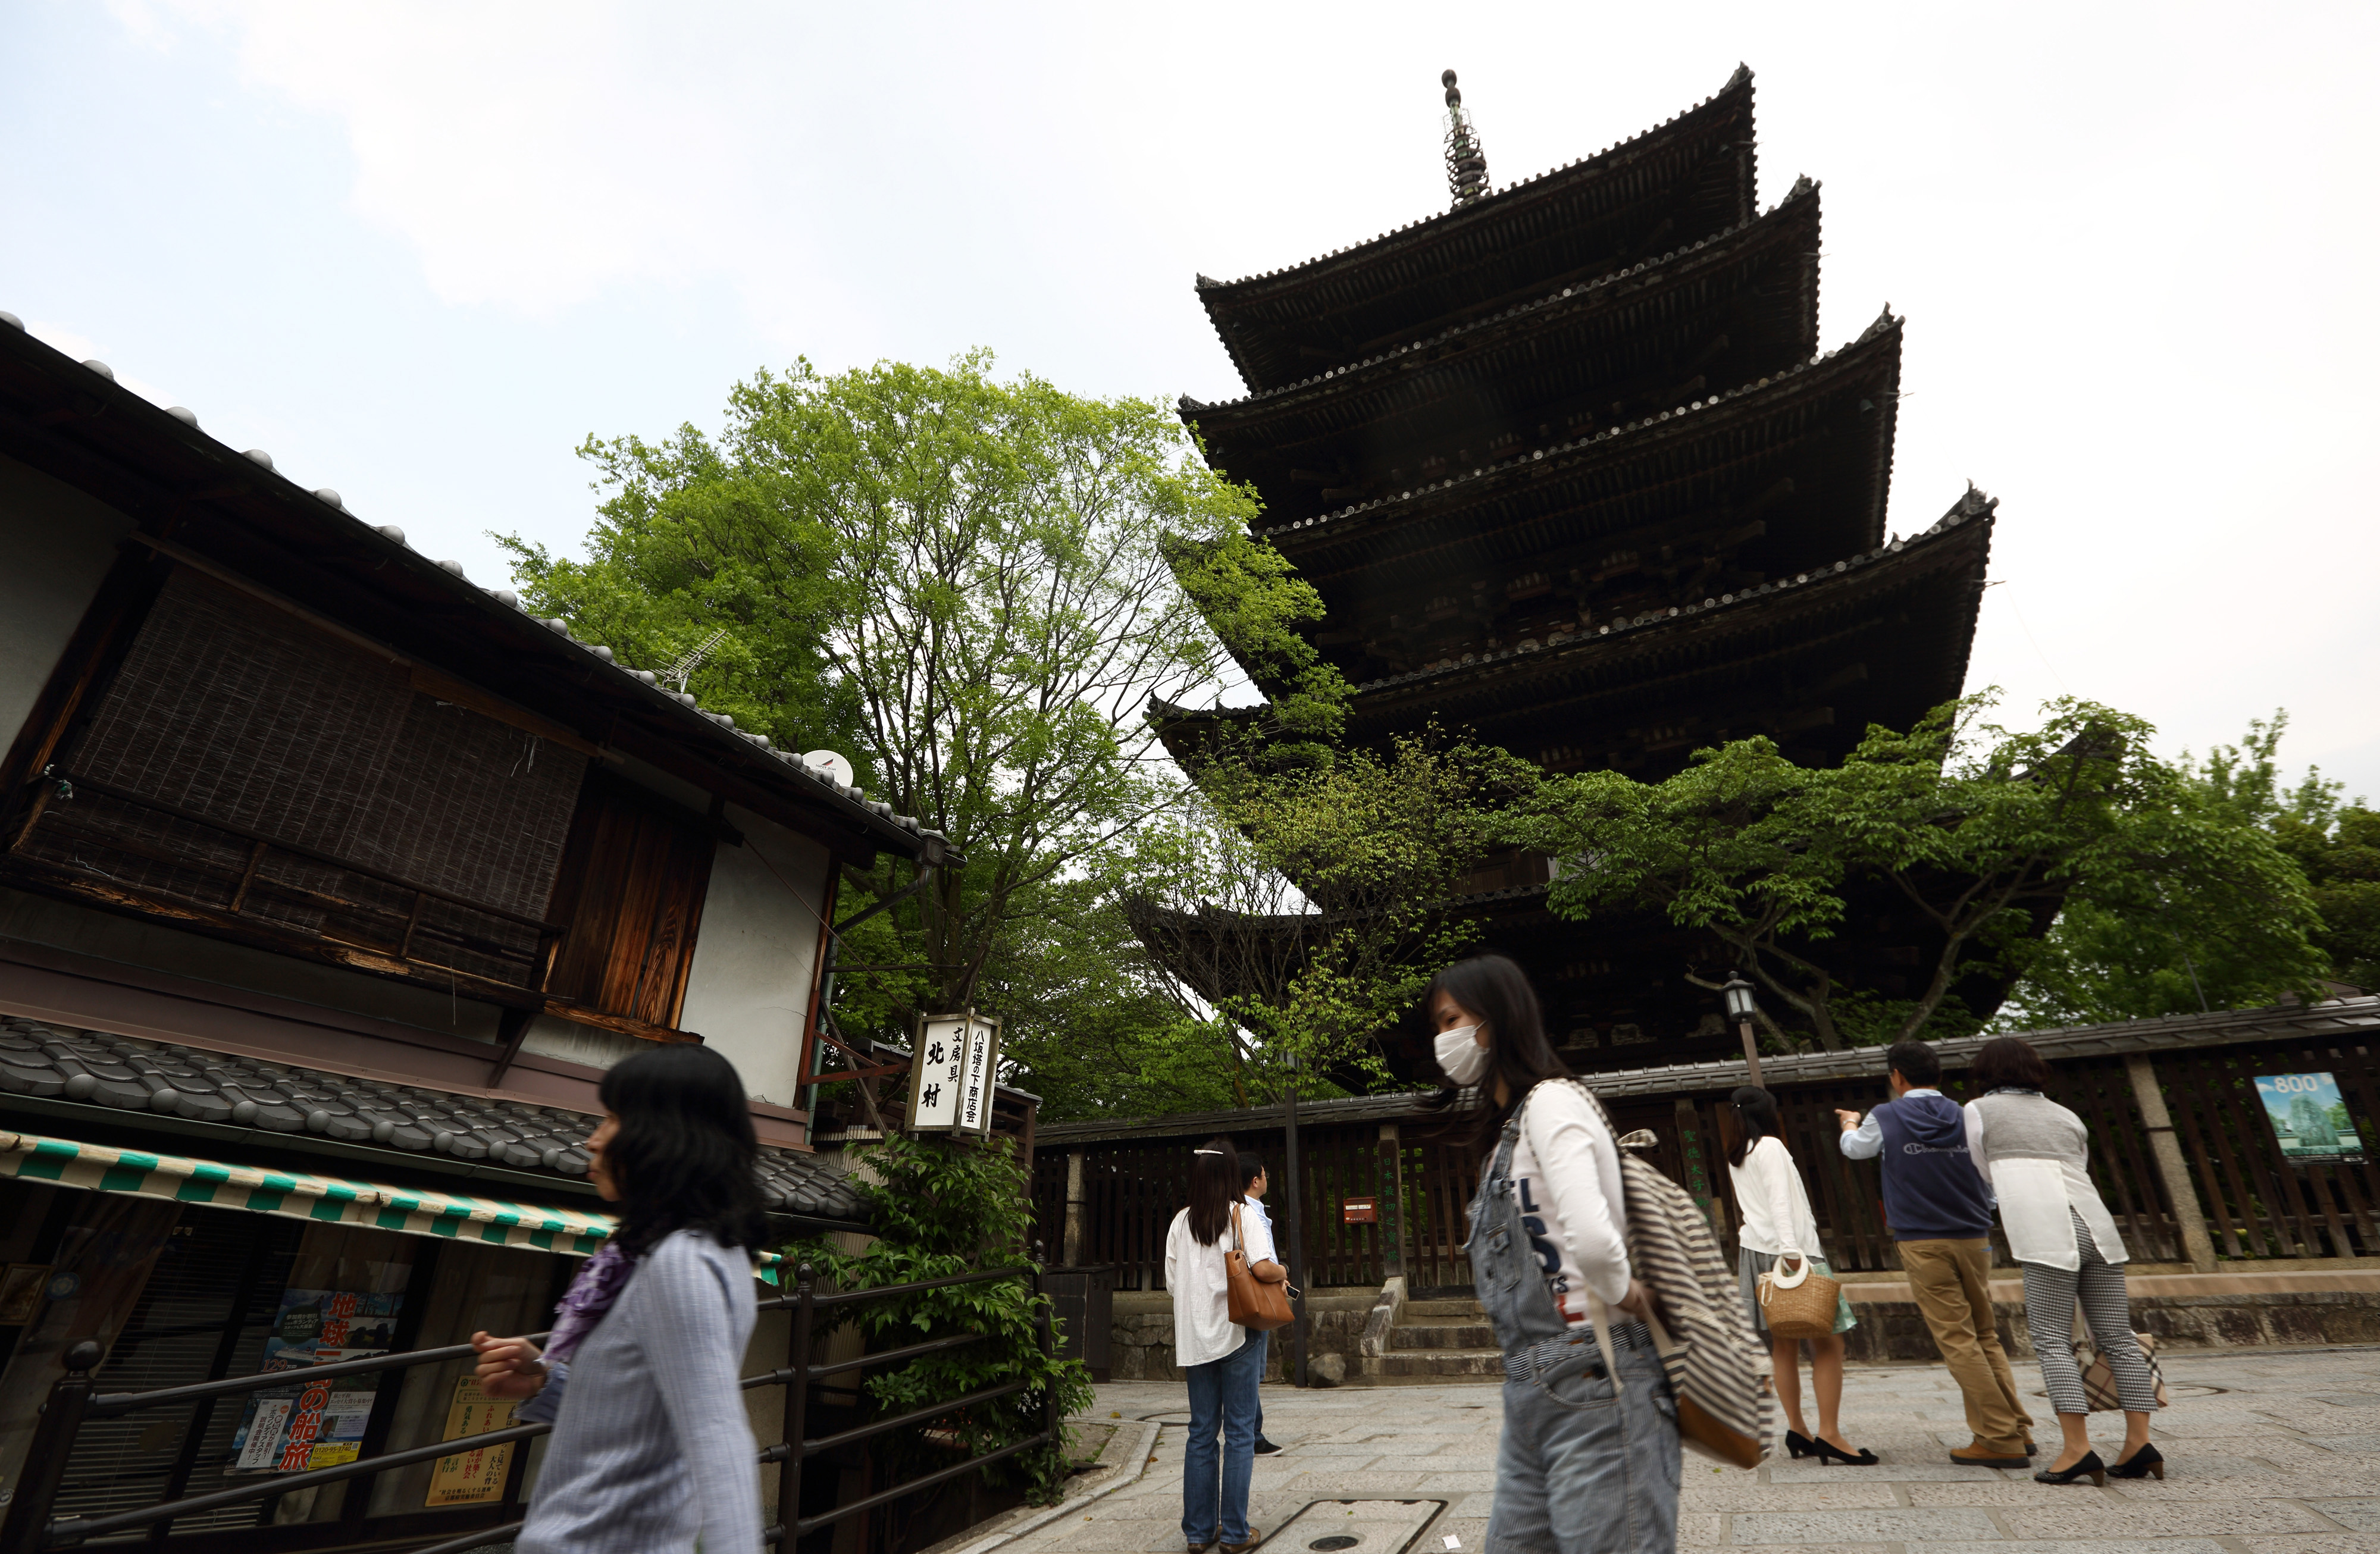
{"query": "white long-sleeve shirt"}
(1774, 1203)
(1203, 1328)
(1566, 1172)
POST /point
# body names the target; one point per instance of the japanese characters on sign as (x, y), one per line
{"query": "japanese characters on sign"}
(951, 1078)
(982, 1064)
(316, 1423)
(475, 1476)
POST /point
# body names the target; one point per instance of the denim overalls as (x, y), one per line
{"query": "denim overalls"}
(1580, 1470)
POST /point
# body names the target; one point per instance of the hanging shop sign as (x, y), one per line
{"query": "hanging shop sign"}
(316, 1423)
(2309, 1116)
(951, 1075)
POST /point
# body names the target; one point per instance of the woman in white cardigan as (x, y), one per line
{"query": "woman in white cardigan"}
(1779, 1229)
(2036, 1155)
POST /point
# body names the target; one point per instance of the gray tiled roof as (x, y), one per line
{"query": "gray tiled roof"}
(65, 1064)
(331, 501)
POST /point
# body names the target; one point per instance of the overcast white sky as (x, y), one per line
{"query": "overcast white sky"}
(418, 251)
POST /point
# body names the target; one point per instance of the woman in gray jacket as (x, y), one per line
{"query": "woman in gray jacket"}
(2036, 1156)
(641, 1375)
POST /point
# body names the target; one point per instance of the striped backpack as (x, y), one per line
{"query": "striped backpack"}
(1719, 1374)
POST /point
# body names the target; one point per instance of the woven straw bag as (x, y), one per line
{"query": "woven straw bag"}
(1798, 1304)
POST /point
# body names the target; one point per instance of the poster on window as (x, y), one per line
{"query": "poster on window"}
(477, 1477)
(316, 1423)
(2309, 1117)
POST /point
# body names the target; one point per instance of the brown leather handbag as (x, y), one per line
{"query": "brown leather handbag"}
(1255, 1305)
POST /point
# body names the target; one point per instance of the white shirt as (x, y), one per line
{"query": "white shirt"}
(1203, 1329)
(2037, 1200)
(1774, 1203)
(1566, 1174)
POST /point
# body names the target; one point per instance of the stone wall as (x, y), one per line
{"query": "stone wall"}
(1144, 1332)
(2188, 1311)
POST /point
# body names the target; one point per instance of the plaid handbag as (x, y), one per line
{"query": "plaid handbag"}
(2099, 1377)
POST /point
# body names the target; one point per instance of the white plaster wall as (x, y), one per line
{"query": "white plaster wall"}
(59, 544)
(748, 992)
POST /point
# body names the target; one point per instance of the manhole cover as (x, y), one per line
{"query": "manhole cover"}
(1356, 1526)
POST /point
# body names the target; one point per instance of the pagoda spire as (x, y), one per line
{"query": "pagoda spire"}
(1466, 162)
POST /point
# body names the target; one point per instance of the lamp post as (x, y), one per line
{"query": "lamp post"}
(1296, 1238)
(1738, 995)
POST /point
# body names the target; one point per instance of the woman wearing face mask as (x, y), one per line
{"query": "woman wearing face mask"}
(650, 1452)
(1585, 1466)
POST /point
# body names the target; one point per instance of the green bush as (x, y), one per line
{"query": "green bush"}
(942, 1206)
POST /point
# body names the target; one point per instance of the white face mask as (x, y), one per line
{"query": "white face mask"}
(1460, 1054)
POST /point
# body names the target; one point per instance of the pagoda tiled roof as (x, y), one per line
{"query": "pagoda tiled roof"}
(1339, 384)
(1508, 243)
(1614, 479)
(1961, 539)
(1612, 332)
(1800, 613)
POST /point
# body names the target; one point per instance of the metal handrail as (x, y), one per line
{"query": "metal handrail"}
(107, 1405)
(29, 1527)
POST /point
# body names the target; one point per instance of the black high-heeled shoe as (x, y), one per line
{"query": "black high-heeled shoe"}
(1829, 1452)
(2147, 1462)
(1798, 1444)
(2090, 1467)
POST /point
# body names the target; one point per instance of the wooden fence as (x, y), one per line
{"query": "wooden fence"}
(2256, 1202)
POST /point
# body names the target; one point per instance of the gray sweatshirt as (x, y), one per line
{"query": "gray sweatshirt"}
(651, 1449)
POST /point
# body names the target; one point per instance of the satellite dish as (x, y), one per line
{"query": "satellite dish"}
(835, 765)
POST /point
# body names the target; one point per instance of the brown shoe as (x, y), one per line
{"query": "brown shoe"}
(1256, 1536)
(1977, 1455)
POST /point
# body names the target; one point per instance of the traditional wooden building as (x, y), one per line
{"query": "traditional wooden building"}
(331, 883)
(1570, 471)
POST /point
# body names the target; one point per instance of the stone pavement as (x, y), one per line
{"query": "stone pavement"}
(2268, 1452)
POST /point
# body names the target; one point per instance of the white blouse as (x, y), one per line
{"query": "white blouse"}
(1774, 1204)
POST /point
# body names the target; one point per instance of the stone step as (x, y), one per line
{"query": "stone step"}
(1466, 1310)
(1441, 1362)
(1442, 1335)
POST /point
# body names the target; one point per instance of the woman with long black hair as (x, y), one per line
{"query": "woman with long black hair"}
(1779, 1232)
(1217, 1356)
(1588, 1462)
(650, 1452)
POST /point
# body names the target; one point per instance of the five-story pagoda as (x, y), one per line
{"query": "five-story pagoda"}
(1569, 470)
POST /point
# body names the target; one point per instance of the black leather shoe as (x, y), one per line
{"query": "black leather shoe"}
(2090, 1467)
(2146, 1462)
(1265, 1448)
(1829, 1452)
(1798, 1444)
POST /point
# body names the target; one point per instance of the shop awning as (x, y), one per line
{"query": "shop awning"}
(294, 1194)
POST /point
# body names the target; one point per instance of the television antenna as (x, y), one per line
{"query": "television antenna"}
(692, 659)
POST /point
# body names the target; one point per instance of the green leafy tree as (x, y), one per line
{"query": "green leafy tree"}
(942, 1207)
(1985, 833)
(2101, 961)
(973, 587)
(1313, 899)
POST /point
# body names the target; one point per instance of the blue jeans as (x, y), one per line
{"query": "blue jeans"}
(1222, 1401)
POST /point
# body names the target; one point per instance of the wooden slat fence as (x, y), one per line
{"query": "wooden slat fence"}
(2257, 1203)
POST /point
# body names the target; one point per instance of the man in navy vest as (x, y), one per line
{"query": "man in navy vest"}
(1935, 1203)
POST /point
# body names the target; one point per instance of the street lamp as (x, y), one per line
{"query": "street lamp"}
(1739, 1008)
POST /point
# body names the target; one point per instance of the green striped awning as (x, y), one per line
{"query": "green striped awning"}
(334, 1199)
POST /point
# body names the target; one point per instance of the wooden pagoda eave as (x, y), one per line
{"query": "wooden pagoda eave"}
(1525, 223)
(1362, 392)
(1634, 656)
(1619, 481)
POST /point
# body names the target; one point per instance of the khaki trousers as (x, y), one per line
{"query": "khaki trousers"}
(1952, 1282)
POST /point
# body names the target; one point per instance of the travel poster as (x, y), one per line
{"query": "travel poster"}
(2309, 1117)
(320, 1424)
(476, 1477)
